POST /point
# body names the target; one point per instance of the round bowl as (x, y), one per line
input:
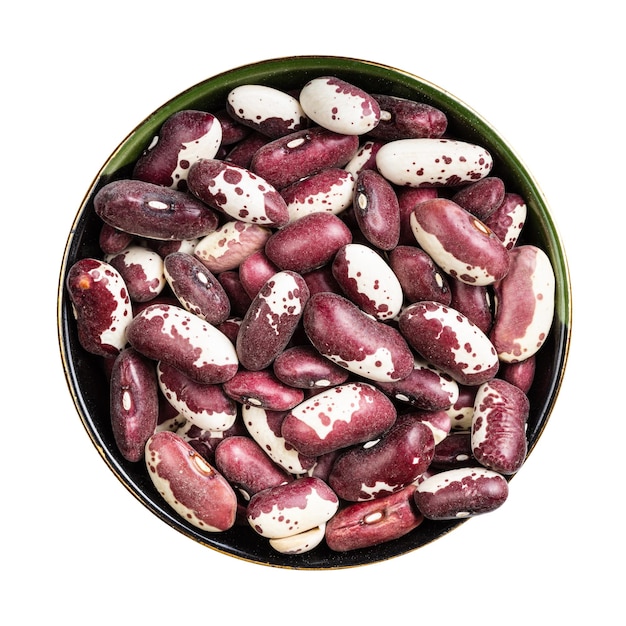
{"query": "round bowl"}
(84, 373)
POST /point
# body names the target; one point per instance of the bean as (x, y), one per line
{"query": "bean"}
(271, 320)
(153, 211)
(429, 162)
(190, 485)
(481, 198)
(101, 306)
(448, 340)
(246, 466)
(185, 341)
(461, 493)
(347, 336)
(524, 305)
(365, 524)
(338, 417)
(308, 243)
(185, 137)
(377, 210)
(424, 388)
(205, 405)
(134, 403)
(303, 153)
(196, 288)
(292, 508)
(386, 465)
(368, 281)
(401, 118)
(237, 192)
(339, 106)
(269, 111)
(459, 243)
(263, 389)
(499, 426)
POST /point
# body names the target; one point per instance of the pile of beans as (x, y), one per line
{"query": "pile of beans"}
(316, 317)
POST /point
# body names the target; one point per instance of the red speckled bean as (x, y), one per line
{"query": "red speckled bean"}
(271, 320)
(265, 428)
(386, 465)
(307, 243)
(459, 243)
(226, 247)
(454, 451)
(133, 402)
(499, 426)
(205, 405)
(101, 306)
(183, 340)
(338, 417)
(329, 191)
(304, 367)
(460, 493)
(481, 198)
(142, 271)
(377, 210)
(246, 466)
(185, 137)
(349, 337)
(524, 305)
(508, 219)
(263, 389)
(408, 197)
(449, 341)
(285, 160)
(153, 211)
(474, 301)
(419, 277)
(267, 110)
(255, 271)
(367, 280)
(425, 388)
(401, 118)
(237, 192)
(196, 288)
(190, 485)
(112, 240)
(521, 373)
(366, 524)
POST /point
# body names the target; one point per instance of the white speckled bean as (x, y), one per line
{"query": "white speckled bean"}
(232, 242)
(368, 280)
(169, 333)
(237, 192)
(292, 508)
(267, 110)
(339, 106)
(301, 542)
(432, 162)
(142, 271)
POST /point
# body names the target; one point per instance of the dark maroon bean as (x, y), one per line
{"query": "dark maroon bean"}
(134, 404)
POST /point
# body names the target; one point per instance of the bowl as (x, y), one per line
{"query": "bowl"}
(84, 373)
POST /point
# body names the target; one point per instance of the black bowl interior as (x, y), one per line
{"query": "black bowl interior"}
(84, 372)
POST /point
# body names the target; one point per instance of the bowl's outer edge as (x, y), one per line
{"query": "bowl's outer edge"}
(291, 73)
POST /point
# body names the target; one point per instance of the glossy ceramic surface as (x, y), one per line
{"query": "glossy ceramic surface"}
(84, 374)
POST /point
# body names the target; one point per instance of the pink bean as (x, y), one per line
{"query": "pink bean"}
(190, 485)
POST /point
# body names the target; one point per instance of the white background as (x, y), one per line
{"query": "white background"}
(76, 546)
